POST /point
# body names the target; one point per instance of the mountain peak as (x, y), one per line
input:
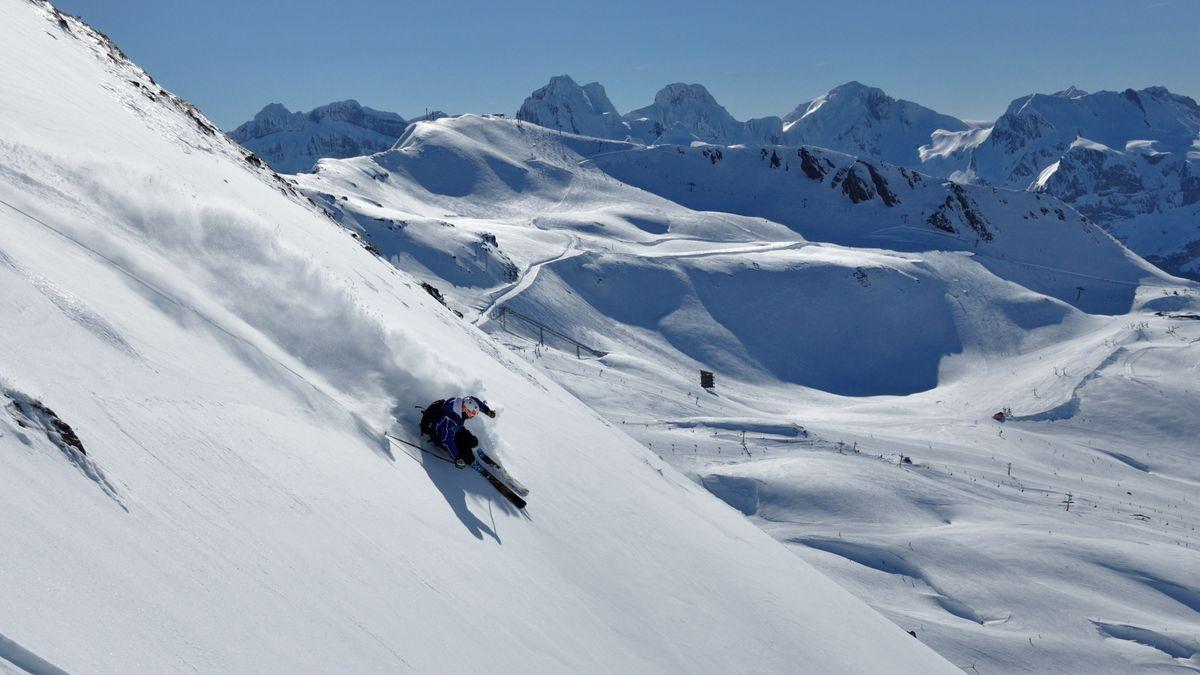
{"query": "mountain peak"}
(863, 120)
(851, 87)
(693, 107)
(678, 93)
(563, 104)
(272, 111)
(1070, 92)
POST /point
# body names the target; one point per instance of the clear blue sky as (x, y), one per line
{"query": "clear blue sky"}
(967, 58)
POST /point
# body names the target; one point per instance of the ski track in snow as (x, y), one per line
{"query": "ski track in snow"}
(26, 660)
(528, 276)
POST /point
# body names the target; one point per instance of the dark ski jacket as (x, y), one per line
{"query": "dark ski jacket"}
(445, 432)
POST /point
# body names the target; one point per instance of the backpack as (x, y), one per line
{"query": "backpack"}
(430, 417)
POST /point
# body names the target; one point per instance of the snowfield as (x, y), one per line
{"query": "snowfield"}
(197, 374)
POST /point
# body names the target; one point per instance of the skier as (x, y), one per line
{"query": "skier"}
(444, 422)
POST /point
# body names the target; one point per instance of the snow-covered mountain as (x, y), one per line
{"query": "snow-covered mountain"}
(563, 104)
(861, 120)
(680, 114)
(1037, 130)
(292, 142)
(968, 404)
(1127, 159)
(197, 371)
(682, 111)
(1147, 198)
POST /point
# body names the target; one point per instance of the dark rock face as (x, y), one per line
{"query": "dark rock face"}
(58, 431)
(1189, 185)
(853, 186)
(940, 221)
(812, 166)
(970, 212)
(857, 188)
(881, 186)
(959, 207)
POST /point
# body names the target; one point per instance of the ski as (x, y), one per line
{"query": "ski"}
(504, 489)
(500, 472)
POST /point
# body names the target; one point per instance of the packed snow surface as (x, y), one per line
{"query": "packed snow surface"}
(197, 372)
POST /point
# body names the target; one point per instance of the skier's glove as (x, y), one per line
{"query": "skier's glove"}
(491, 413)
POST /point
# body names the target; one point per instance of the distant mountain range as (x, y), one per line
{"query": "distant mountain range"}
(1128, 160)
(292, 142)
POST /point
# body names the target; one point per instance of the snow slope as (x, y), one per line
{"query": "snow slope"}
(849, 327)
(197, 373)
(293, 141)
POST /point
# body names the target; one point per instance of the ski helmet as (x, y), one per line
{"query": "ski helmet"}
(470, 407)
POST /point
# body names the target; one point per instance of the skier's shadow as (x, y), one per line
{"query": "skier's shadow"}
(455, 483)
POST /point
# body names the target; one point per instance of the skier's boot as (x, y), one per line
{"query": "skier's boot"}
(465, 457)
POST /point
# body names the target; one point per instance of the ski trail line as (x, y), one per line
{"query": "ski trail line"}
(527, 279)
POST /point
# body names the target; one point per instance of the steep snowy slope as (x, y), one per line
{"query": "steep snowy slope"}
(834, 363)
(197, 371)
(862, 120)
(293, 141)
